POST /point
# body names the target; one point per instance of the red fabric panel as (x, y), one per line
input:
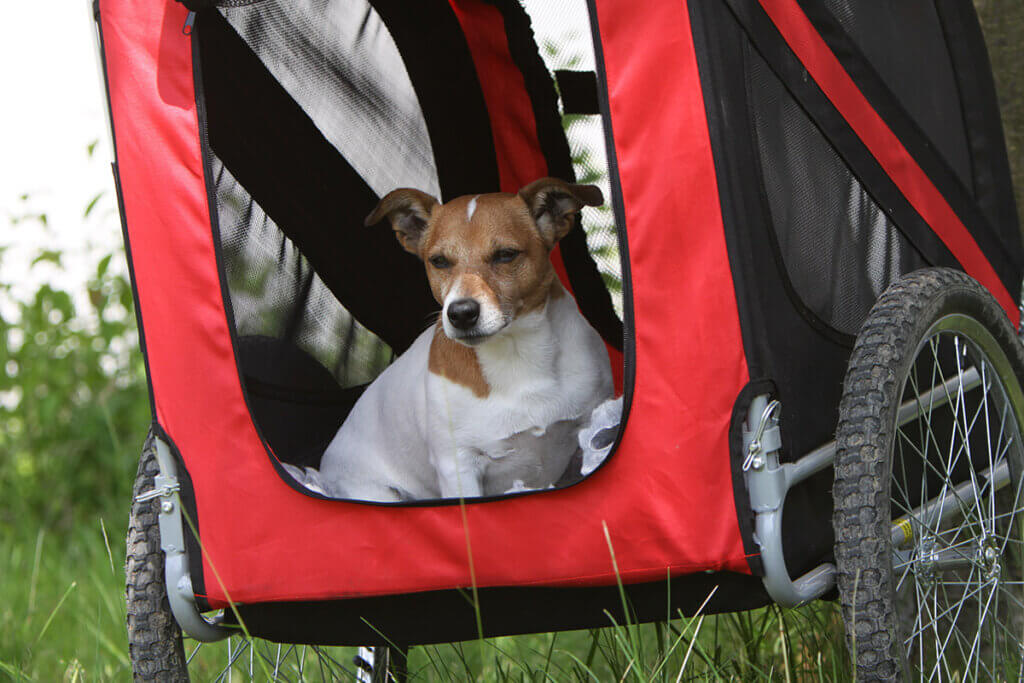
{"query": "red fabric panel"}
(513, 125)
(665, 497)
(883, 144)
(690, 362)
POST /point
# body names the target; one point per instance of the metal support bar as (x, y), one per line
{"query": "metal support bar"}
(939, 396)
(822, 457)
(768, 481)
(938, 510)
(172, 541)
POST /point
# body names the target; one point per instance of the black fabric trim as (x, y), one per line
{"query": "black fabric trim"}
(579, 92)
(993, 183)
(619, 210)
(1006, 259)
(751, 315)
(133, 280)
(592, 296)
(447, 616)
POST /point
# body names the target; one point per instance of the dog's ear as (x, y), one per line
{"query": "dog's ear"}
(554, 203)
(408, 210)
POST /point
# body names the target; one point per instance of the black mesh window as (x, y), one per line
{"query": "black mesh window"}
(904, 42)
(839, 249)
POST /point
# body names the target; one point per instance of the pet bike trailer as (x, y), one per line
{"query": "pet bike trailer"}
(797, 191)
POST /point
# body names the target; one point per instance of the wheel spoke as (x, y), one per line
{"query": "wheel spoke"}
(976, 645)
(946, 611)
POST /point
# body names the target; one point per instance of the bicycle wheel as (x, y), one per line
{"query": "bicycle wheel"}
(928, 501)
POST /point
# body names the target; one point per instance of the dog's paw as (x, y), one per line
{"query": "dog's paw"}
(597, 438)
(306, 477)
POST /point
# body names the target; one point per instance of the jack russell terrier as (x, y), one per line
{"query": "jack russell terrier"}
(490, 399)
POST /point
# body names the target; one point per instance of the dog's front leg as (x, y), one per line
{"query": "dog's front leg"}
(461, 474)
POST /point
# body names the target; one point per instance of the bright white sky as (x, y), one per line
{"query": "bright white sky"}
(53, 108)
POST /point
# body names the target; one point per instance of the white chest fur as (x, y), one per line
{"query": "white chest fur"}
(546, 367)
(415, 434)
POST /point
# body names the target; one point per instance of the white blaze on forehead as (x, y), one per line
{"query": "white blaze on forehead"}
(471, 208)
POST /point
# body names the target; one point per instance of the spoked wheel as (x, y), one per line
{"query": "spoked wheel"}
(159, 653)
(928, 495)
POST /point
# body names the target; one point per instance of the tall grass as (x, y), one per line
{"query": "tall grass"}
(62, 618)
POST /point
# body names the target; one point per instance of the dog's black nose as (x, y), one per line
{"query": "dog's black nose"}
(463, 313)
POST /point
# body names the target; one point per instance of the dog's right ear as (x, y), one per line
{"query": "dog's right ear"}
(408, 210)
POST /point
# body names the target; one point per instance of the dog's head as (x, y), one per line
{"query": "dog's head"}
(487, 256)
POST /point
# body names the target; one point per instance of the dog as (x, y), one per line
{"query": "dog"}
(489, 399)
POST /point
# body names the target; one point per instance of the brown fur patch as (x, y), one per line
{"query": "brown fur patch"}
(457, 363)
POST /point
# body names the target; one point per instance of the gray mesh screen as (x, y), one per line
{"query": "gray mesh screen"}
(563, 33)
(340, 64)
(275, 293)
(839, 249)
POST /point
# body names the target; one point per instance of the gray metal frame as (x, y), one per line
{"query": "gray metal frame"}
(177, 579)
(768, 481)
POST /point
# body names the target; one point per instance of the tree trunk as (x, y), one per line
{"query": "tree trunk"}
(1003, 24)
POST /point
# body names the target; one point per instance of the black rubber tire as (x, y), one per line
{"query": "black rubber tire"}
(885, 351)
(154, 638)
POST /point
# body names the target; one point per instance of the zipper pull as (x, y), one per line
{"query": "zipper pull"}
(190, 21)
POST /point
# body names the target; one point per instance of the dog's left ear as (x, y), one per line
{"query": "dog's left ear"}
(554, 203)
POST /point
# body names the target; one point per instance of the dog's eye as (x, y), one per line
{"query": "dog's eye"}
(439, 261)
(505, 255)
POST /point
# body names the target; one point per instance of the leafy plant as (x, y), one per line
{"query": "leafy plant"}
(73, 397)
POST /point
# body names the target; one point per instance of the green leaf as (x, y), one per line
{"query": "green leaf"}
(49, 256)
(92, 204)
(101, 267)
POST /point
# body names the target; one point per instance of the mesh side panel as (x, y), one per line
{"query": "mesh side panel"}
(341, 65)
(839, 249)
(275, 293)
(562, 31)
(905, 44)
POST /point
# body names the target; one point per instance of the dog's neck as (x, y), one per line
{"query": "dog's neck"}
(526, 348)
